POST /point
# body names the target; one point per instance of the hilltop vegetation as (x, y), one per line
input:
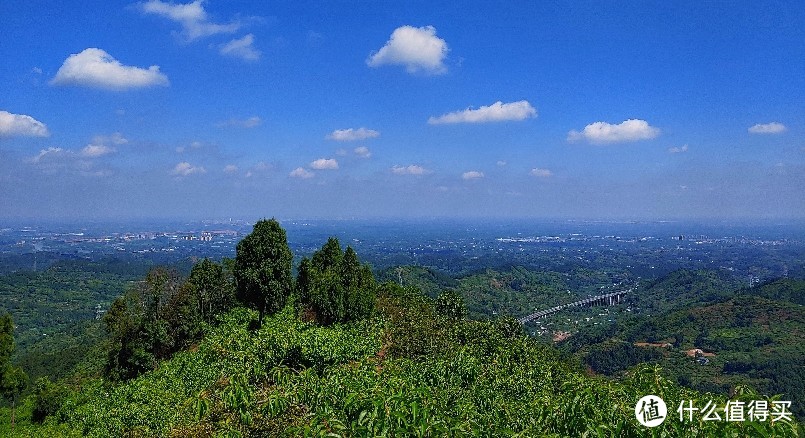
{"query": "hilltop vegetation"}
(367, 378)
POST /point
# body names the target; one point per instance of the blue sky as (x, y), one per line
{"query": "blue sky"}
(637, 110)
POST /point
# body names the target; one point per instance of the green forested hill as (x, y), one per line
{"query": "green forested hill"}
(755, 336)
(516, 291)
(47, 302)
(683, 288)
(406, 372)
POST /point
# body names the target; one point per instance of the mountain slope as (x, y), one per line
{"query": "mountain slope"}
(406, 372)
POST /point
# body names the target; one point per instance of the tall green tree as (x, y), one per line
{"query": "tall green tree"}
(142, 324)
(359, 286)
(263, 268)
(212, 293)
(335, 285)
(12, 379)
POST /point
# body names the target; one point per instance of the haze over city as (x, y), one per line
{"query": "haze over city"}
(646, 110)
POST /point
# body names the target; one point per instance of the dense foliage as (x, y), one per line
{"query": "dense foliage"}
(263, 268)
(334, 286)
(12, 378)
(291, 378)
(163, 314)
(44, 303)
(748, 338)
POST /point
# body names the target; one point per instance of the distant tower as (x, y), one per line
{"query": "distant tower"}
(399, 274)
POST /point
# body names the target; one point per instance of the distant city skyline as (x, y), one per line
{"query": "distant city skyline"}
(215, 109)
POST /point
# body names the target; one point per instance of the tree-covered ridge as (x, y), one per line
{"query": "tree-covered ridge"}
(292, 378)
(748, 338)
(46, 302)
(684, 288)
(515, 291)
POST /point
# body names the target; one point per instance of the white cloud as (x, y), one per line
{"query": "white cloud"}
(230, 168)
(413, 169)
(416, 48)
(21, 125)
(472, 174)
(185, 169)
(602, 132)
(96, 68)
(192, 16)
(501, 163)
(55, 160)
(324, 164)
(540, 173)
(102, 145)
(301, 172)
(96, 150)
(768, 128)
(497, 112)
(678, 149)
(363, 152)
(51, 151)
(250, 122)
(240, 48)
(352, 134)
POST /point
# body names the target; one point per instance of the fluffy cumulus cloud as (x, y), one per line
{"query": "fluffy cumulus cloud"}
(497, 112)
(626, 131)
(678, 149)
(352, 134)
(240, 48)
(250, 122)
(103, 145)
(472, 174)
(768, 128)
(192, 17)
(363, 152)
(418, 49)
(186, 169)
(301, 172)
(413, 169)
(324, 164)
(540, 173)
(12, 125)
(96, 68)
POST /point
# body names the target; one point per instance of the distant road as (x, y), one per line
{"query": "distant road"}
(609, 299)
